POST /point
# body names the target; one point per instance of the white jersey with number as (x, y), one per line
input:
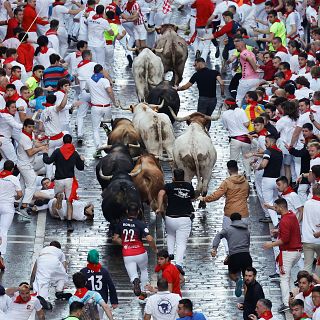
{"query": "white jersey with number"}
(51, 121)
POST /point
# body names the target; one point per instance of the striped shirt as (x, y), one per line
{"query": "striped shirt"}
(53, 74)
(136, 7)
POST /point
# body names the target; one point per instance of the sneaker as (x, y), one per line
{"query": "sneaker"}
(130, 60)
(265, 220)
(217, 55)
(198, 54)
(2, 265)
(74, 39)
(136, 287)
(63, 295)
(69, 226)
(226, 260)
(97, 154)
(106, 128)
(80, 141)
(283, 308)
(238, 289)
(274, 276)
(23, 213)
(45, 304)
(180, 269)
(143, 298)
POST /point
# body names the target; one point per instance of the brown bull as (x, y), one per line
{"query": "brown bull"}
(173, 51)
(150, 180)
(123, 132)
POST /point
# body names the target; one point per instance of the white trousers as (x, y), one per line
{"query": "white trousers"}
(53, 145)
(258, 183)
(7, 149)
(30, 182)
(98, 55)
(178, 231)
(82, 111)
(6, 217)
(290, 258)
(270, 194)
(98, 114)
(245, 85)
(238, 147)
(110, 59)
(129, 28)
(132, 263)
(303, 192)
(203, 46)
(63, 40)
(42, 288)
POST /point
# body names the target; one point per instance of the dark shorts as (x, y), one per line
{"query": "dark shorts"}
(239, 262)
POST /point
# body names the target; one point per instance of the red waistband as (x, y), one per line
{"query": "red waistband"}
(293, 250)
(100, 105)
(57, 136)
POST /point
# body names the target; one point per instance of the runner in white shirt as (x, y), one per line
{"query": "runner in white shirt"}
(7, 126)
(43, 7)
(303, 88)
(26, 152)
(58, 13)
(52, 127)
(81, 210)
(101, 97)
(10, 190)
(16, 77)
(43, 52)
(53, 37)
(97, 24)
(84, 15)
(24, 304)
(74, 58)
(22, 104)
(83, 72)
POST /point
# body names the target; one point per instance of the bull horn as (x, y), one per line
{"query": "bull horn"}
(103, 177)
(135, 158)
(159, 106)
(125, 108)
(130, 145)
(158, 50)
(105, 146)
(134, 174)
(129, 48)
(106, 121)
(182, 27)
(180, 119)
(164, 158)
(149, 29)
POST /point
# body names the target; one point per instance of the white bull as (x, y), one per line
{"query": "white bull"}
(148, 72)
(194, 152)
(154, 128)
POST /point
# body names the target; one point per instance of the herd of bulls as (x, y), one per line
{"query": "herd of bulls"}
(131, 170)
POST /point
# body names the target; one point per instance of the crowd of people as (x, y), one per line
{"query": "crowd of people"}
(271, 51)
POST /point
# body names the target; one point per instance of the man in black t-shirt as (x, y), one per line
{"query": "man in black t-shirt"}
(206, 80)
(178, 214)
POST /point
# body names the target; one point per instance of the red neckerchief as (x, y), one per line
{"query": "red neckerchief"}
(6, 110)
(67, 150)
(316, 198)
(94, 267)
(315, 308)
(27, 134)
(307, 293)
(282, 49)
(130, 5)
(311, 54)
(51, 32)
(274, 147)
(47, 104)
(5, 173)
(83, 63)
(37, 79)
(57, 3)
(80, 293)
(266, 97)
(295, 53)
(60, 90)
(252, 108)
(44, 49)
(51, 185)
(287, 74)
(15, 97)
(289, 190)
(245, 37)
(89, 9)
(188, 314)
(291, 96)
(304, 316)
(317, 156)
(277, 20)
(266, 315)
(78, 54)
(287, 14)
(97, 16)
(316, 102)
(248, 2)
(20, 301)
(3, 90)
(13, 79)
(8, 60)
(263, 132)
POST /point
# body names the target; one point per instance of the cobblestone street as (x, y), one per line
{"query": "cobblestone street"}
(207, 282)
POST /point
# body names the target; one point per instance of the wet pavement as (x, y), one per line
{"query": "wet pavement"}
(207, 282)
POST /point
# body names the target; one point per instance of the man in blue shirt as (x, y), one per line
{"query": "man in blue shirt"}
(185, 311)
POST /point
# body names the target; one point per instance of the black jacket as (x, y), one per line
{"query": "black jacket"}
(253, 294)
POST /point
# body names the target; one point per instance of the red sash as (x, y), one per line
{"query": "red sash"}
(288, 191)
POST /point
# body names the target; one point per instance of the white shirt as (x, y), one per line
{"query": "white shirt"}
(98, 91)
(25, 143)
(22, 311)
(53, 42)
(294, 202)
(64, 115)
(96, 27)
(43, 58)
(77, 206)
(58, 13)
(283, 56)
(294, 63)
(18, 84)
(311, 217)
(308, 303)
(4, 303)
(73, 62)
(11, 43)
(311, 15)
(7, 124)
(51, 121)
(8, 189)
(233, 121)
(84, 73)
(285, 126)
(55, 252)
(163, 305)
(23, 70)
(21, 104)
(315, 84)
(42, 6)
(293, 20)
(316, 314)
(304, 92)
(221, 8)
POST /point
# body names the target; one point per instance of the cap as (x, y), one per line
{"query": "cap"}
(93, 256)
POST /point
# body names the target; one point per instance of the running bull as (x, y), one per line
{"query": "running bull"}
(154, 128)
(194, 152)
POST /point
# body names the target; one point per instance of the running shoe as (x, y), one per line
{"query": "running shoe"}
(238, 289)
(136, 287)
